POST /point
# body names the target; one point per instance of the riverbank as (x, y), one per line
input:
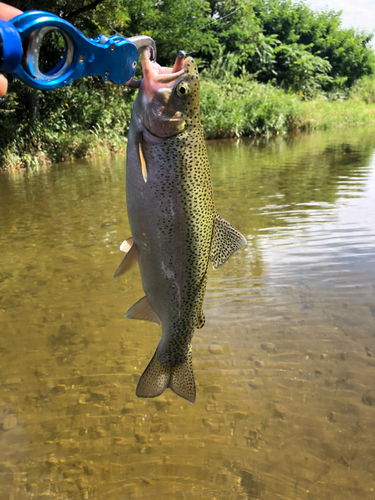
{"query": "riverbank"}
(234, 107)
(247, 108)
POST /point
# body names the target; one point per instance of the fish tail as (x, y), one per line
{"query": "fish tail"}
(158, 376)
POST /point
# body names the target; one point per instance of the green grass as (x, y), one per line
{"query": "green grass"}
(243, 108)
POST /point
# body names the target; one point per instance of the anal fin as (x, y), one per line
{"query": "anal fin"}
(226, 239)
(143, 310)
(129, 261)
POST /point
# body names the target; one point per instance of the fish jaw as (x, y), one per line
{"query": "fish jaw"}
(168, 99)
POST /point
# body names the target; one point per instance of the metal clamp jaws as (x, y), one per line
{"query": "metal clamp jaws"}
(111, 58)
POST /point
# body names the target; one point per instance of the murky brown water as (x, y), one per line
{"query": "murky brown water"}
(285, 365)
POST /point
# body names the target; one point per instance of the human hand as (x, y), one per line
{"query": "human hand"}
(6, 13)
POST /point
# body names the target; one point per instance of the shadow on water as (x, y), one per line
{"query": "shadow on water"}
(284, 366)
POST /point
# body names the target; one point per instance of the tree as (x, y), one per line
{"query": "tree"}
(348, 51)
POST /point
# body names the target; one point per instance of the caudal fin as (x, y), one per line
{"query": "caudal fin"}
(158, 376)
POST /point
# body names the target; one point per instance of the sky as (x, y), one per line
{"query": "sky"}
(356, 13)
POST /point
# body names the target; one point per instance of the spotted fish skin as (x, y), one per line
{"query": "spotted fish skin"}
(173, 221)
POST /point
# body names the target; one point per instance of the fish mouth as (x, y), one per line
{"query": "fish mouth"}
(161, 75)
(156, 77)
(155, 74)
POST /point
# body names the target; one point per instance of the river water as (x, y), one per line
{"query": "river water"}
(285, 365)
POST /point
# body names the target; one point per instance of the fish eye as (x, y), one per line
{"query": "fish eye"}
(183, 89)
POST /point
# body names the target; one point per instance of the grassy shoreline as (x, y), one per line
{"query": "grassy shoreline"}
(238, 107)
(251, 109)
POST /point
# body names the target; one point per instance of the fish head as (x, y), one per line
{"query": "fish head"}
(168, 101)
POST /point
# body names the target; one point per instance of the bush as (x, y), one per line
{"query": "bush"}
(364, 90)
(243, 107)
(63, 124)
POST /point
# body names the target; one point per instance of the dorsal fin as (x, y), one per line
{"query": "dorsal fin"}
(128, 262)
(225, 241)
(143, 310)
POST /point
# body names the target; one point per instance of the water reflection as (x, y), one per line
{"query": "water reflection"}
(284, 366)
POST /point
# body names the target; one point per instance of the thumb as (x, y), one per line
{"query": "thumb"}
(3, 85)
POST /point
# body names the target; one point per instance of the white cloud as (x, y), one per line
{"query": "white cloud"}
(356, 14)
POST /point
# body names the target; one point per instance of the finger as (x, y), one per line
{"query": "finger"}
(3, 85)
(7, 12)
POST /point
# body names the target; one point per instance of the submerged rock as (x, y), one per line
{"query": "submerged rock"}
(268, 347)
(9, 422)
(368, 399)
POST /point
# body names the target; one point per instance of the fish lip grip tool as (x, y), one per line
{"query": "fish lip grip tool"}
(113, 58)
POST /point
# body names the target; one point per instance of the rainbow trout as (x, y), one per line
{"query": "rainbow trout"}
(176, 232)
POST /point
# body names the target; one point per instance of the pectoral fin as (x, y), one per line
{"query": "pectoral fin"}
(126, 245)
(143, 162)
(225, 241)
(129, 261)
(143, 310)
